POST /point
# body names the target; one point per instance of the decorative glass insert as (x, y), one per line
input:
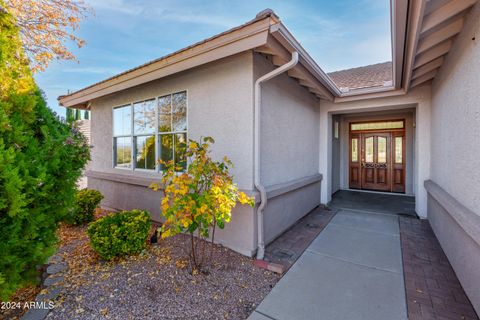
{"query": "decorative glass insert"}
(123, 152)
(354, 149)
(399, 150)
(369, 149)
(336, 130)
(381, 149)
(381, 125)
(145, 152)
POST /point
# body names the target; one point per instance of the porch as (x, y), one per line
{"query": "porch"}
(363, 264)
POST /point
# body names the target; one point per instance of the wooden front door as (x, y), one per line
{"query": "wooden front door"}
(377, 159)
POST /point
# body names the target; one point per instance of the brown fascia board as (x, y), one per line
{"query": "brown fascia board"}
(245, 37)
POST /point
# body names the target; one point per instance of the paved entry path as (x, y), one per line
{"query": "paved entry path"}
(352, 270)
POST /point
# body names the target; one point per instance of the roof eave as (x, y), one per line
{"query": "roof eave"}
(242, 39)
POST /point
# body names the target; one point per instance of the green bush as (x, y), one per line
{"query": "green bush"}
(41, 159)
(86, 201)
(118, 234)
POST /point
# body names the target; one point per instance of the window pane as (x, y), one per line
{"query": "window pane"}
(144, 117)
(145, 148)
(354, 150)
(369, 149)
(179, 111)
(382, 150)
(122, 121)
(165, 114)
(398, 149)
(377, 125)
(123, 156)
(180, 147)
(166, 148)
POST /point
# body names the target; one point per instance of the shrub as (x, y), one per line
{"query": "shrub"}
(200, 198)
(86, 201)
(41, 159)
(118, 234)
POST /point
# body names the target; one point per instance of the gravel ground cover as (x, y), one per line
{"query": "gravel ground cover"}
(156, 284)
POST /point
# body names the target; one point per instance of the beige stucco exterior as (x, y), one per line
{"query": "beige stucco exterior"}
(220, 104)
(454, 207)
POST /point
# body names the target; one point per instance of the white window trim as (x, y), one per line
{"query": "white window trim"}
(157, 133)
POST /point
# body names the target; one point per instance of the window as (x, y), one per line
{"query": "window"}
(354, 149)
(398, 150)
(381, 125)
(122, 141)
(147, 131)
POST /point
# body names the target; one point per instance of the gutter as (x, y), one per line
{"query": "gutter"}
(263, 193)
(309, 63)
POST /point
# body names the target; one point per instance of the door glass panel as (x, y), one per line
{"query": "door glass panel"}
(354, 150)
(369, 149)
(398, 149)
(382, 150)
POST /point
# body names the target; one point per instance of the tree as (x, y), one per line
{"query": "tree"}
(41, 159)
(199, 199)
(45, 26)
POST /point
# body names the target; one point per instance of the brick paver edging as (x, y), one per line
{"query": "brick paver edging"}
(432, 288)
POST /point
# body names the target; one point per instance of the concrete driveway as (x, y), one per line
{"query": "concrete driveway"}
(352, 270)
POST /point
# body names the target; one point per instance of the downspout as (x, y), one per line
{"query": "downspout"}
(263, 194)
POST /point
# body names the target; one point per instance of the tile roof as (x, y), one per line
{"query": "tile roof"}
(375, 75)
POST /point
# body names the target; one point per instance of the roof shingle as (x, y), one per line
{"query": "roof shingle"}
(375, 75)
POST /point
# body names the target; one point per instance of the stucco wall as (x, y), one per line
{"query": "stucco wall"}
(456, 118)
(289, 127)
(455, 156)
(336, 153)
(220, 104)
(289, 147)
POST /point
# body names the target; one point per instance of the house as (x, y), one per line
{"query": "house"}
(297, 135)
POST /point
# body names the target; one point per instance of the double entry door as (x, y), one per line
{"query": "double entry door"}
(377, 160)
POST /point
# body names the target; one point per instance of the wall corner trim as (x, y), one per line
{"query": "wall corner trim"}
(282, 188)
(144, 181)
(466, 219)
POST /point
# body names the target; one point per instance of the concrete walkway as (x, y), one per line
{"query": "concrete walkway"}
(352, 270)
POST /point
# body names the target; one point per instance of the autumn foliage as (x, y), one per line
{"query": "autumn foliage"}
(46, 26)
(41, 158)
(199, 199)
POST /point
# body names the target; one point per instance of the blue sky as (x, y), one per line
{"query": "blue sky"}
(123, 34)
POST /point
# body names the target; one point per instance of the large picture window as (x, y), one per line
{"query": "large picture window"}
(147, 131)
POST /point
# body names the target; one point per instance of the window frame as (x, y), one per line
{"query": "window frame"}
(157, 133)
(114, 137)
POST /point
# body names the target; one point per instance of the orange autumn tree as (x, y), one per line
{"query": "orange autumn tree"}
(199, 199)
(45, 27)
